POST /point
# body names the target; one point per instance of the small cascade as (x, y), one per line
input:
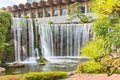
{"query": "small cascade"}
(37, 53)
(33, 40)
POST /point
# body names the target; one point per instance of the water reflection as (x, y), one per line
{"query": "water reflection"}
(63, 66)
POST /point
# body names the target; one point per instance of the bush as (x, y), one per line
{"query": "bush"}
(26, 16)
(42, 60)
(37, 76)
(94, 48)
(100, 67)
(50, 22)
(45, 75)
(89, 67)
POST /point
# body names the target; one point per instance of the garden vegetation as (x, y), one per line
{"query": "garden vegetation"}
(76, 13)
(5, 22)
(105, 47)
(37, 76)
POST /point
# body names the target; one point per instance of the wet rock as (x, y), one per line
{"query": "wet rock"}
(16, 65)
(42, 63)
(2, 69)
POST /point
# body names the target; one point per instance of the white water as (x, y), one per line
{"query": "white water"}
(56, 41)
(63, 40)
(17, 40)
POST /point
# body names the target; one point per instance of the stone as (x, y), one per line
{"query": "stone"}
(114, 55)
(113, 48)
(71, 73)
(42, 63)
(118, 50)
(16, 65)
(2, 69)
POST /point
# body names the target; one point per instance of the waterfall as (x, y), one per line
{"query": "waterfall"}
(63, 40)
(33, 39)
(25, 50)
(17, 39)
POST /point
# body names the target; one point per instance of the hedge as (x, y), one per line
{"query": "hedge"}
(55, 75)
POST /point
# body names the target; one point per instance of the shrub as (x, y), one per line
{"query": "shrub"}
(26, 16)
(94, 48)
(50, 22)
(45, 75)
(42, 60)
(75, 12)
(37, 76)
(89, 67)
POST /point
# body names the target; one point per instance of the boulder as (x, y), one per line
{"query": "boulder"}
(113, 48)
(71, 73)
(118, 50)
(16, 65)
(2, 69)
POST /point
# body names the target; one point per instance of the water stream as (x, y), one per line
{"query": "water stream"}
(33, 40)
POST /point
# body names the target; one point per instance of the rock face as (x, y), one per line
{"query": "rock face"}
(16, 65)
(2, 69)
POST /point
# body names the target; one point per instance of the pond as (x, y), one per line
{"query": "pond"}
(58, 65)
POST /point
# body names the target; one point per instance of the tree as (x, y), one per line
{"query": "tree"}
(107, 28)
(5, 20)
(76, 12)
(107, 24)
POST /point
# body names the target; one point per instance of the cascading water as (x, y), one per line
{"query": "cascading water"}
(24, 40)
(33, 40)
(63, 40)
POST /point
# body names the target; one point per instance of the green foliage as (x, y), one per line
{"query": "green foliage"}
(42, 60)
(106, 61)
(26, 16)
(37, 76)
(89, 67)
(9, 55)
(107, 30)
(50, 22)
(94, 48)
(106, 65)
(101, 26)
(45, 75)
(107, 25)
(110, 65)
(5, 20)
(103, 6)
(75, 12)
(4, 24)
